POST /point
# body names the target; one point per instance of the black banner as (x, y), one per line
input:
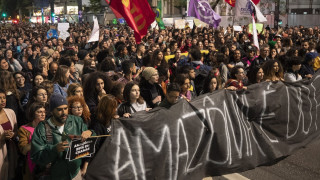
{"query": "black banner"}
(219, 133)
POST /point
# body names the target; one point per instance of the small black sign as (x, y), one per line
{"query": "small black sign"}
(80, 149)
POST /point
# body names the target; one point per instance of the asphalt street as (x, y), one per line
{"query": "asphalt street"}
(304, 164)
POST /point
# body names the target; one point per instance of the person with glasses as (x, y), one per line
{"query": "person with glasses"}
(23, 86)
(38, 94)
(184, 82)
(263, 57)
(35, 114)
(53, 150)
(78, 107)
(150, 89)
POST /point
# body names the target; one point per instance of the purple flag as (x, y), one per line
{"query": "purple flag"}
(202, 10)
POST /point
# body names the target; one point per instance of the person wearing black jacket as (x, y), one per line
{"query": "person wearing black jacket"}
(133, 100)
(105, 112)
(151, 91)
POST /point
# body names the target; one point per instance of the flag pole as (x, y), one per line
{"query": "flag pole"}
(161, 9)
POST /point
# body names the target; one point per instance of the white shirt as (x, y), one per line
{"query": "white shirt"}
(138, 107)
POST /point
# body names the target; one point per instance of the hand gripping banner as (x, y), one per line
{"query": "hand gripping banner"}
(219, 133)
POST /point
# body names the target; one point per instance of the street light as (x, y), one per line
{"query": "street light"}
(52, 16)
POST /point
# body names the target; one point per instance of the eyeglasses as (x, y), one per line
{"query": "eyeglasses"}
(42, 95)
(77, 107)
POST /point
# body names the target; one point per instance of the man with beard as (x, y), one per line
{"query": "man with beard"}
(50, 142)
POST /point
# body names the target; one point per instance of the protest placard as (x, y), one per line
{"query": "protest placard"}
(95, 31)
(167, 21)
(259, 27)
(63, 30)
(80, 149)
(199, 23)
(180, 23)
(237, 28)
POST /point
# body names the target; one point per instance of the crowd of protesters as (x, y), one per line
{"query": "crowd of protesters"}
(52, 88)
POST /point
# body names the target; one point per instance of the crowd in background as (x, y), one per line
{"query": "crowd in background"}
(115, 77)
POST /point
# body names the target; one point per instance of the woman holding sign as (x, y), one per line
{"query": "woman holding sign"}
(36, 114)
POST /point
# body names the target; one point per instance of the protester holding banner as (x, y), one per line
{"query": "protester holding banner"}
(105, 112)
(211, 83)
(236, 81)
(133, 101)
(51, 138)
(172, 96)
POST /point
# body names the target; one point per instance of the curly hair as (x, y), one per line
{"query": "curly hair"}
(85, 113)
(90, 82)
(269, 72)
(155, 60)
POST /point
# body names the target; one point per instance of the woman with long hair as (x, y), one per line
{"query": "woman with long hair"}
(8, 132)
(61, 80)
(255, 74)
(105, 112)
(272, 70)
(237, 76)
(8, 84)
(35, 114)
(78, 107)
(133, 101)
(158, 60)
(273, 54)
(117, 91)
(222, 61)
(4, 65)
(211, 83)
(95, 86)
(75, 89)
